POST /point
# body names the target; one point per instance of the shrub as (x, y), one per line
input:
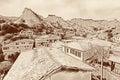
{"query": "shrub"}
(1, 57)
(8, 36)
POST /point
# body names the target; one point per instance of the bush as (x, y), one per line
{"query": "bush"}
(16, 55)
(24, 25)
(8, 36)
(7, 28)
(13, 57)
(2, 33)
(2, 21)
(1, 57)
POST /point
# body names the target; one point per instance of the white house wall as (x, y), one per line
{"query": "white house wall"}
(28, 44)
(64, 75)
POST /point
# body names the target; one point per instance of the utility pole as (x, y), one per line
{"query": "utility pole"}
(102, 53)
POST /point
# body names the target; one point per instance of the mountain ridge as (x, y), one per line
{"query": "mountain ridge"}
(81, 26)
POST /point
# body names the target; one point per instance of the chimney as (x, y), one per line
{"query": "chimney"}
(35, 50)
(34, 44)
(35, 54)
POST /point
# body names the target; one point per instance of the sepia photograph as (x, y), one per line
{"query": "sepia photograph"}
(59, 39)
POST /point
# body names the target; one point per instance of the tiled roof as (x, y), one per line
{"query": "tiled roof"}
(66, 60)
(116, 52)
(48, 37)
(100, 42)
(20, 40)
(116, 48)
(115, 58)
(83, 46)
(58, 44)
(5, 65)
(39, 63)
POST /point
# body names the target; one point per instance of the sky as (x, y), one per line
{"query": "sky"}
(68, 9)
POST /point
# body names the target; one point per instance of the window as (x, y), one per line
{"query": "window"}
(72, 51)
(17, 43)
(23, 42)
(75, 53)
(31, 42)
(116, 70)
(17, 47)
(67, 49)
(5, 48)
(42, 43)
(79, 54)
(50, 41)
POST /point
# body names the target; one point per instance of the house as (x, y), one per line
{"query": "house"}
(96, 41)
(48, 64)
(67, 40)
(4, 67)
(79, 49)
(46, 40)
(115, 66)
(78, 38)
(115, 63)
(58, 32)
(58, 45)
(80, 32)
(70, 33)
(17, 46)
(26, 32)
(41, 42)
(116, 38)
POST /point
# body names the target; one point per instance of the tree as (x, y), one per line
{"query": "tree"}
(16, 55)
(24, 25)
(2, 33)
(49, 30)
(8, 28)
(4, 26)
(8, 36)
(110, 35)
(11, 58)
(84, 35)
(1, 52)
(1, 57)
(95, 29)
(2, 21)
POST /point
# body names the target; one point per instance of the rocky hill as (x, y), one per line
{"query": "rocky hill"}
(29, 17)
(57, 22)
(89, 27)
(7, 19)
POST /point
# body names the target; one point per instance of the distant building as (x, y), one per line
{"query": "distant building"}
(46, 40)
(48, 64)
(70, 33)
(77, 38)
(58, 32)
(116, 38)
(80, 49)
(27, 32)
(41, 42)
(115, 63)
(67, 40)
(102, 36)
(58, 45)
(114, 67)
(6, 42)
(100, 42)
(17, 46)
(80, 32)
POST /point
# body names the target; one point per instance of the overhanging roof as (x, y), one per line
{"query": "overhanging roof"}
(115, 58)
(39, 63)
